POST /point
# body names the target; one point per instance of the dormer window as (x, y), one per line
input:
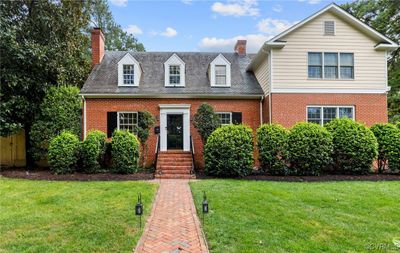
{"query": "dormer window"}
(129, 71)
(220, 72)
(174, 72)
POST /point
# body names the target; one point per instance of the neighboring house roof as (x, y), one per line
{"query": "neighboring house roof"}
(384, 42)
(103, 79)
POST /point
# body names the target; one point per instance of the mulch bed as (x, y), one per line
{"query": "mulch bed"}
(43, 174)
(321, 178)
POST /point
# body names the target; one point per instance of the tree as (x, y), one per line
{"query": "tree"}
(42, 45)
(116, 38)
(206, 121)
(59, 111)
(145, 123)
(383, 15)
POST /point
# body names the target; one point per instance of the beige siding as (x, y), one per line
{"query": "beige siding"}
(290, 63)
(262, 74)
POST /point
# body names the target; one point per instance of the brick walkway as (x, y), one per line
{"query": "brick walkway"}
(173, 225)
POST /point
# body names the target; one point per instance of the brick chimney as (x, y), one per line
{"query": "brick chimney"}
(97, 46)
(240, 47)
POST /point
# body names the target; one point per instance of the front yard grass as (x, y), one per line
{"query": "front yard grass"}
(256, 216)
(44, 216)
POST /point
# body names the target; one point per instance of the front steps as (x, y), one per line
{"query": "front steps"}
(174, 165)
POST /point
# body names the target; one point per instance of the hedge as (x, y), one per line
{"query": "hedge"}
(354, 146)
(310, 148)
(272, 144)
(125, 151)
(93, 149)
(229, 151)
(63, 151)
(388, 137)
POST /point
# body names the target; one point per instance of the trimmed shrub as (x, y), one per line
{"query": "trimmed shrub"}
(59, 111)
(310, 148)
(92, 151)
(125, 152)
(354, 146)
(205, 121)
(388, 136)
(63, 151)
(229, 151)
(145, 123)
(272, 143)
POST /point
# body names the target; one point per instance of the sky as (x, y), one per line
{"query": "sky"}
(208, 25)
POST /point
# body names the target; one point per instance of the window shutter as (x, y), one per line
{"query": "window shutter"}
(236, 118)
(112, 123)
(329, 28)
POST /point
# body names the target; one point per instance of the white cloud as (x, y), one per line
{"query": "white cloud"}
(311, 1)
(133, 29)
(274, 26)
(236, 8)
(277, 8)
(213, 44)
(169, 32)
(120, 3)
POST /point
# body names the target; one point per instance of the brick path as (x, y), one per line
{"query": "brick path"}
(173, 225)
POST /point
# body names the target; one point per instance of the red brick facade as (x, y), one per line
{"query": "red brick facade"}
(288, 109)
(97, 108)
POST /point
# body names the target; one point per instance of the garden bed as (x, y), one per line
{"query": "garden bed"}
(369, 177)
(43, 174)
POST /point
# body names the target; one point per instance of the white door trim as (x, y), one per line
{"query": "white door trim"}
(183, 109)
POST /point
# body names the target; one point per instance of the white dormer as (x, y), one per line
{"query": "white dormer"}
(129, 71)
(220, 72)
(174, 72)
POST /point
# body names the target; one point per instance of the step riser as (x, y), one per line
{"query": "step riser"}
(175, 176)
(174, 165)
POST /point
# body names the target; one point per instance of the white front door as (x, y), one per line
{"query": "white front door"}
(166, 110)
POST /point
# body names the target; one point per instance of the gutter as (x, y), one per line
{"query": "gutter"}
(84, 117)
(211, 96)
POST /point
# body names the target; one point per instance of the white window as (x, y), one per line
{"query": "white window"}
(324, 114)
(128, 121)
(220, 72)
(225, 118)
(330, 65)
(174, 72)
(129, 71)
(329, 28)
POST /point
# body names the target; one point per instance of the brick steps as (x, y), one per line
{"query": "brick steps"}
(174, 165)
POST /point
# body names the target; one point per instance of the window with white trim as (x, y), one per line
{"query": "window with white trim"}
(225, 118)
(324, 114)
(128, 121)
(330, 65)
(174, 74)
(128, 74)
(220, 74)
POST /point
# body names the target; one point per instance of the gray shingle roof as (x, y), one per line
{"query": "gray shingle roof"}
(104, 76)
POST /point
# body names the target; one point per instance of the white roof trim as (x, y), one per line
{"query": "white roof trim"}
(227, 96)
(343, 13)
(174, 55)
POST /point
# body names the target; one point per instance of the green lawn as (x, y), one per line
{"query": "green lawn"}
(42, 216)
(255, 216)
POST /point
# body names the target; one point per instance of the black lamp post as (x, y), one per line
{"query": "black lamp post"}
(204, 205)
(139, 209)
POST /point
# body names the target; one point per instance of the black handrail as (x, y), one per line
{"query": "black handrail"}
(192, 152)
(157, 151)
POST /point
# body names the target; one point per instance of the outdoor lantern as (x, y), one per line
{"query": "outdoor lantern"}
(205, 203)
(139, 206)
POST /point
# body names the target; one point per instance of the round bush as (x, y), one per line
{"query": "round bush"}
(229, 151)
(63, 151)
(125, 152)
(388, 137)
(354, 146)
(272, 148)
(310, 148)
(93, 149)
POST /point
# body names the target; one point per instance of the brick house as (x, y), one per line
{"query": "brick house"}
(327, 66)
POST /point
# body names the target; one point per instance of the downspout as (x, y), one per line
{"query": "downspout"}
(261, 110)
(270, 108)
(84, 117)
